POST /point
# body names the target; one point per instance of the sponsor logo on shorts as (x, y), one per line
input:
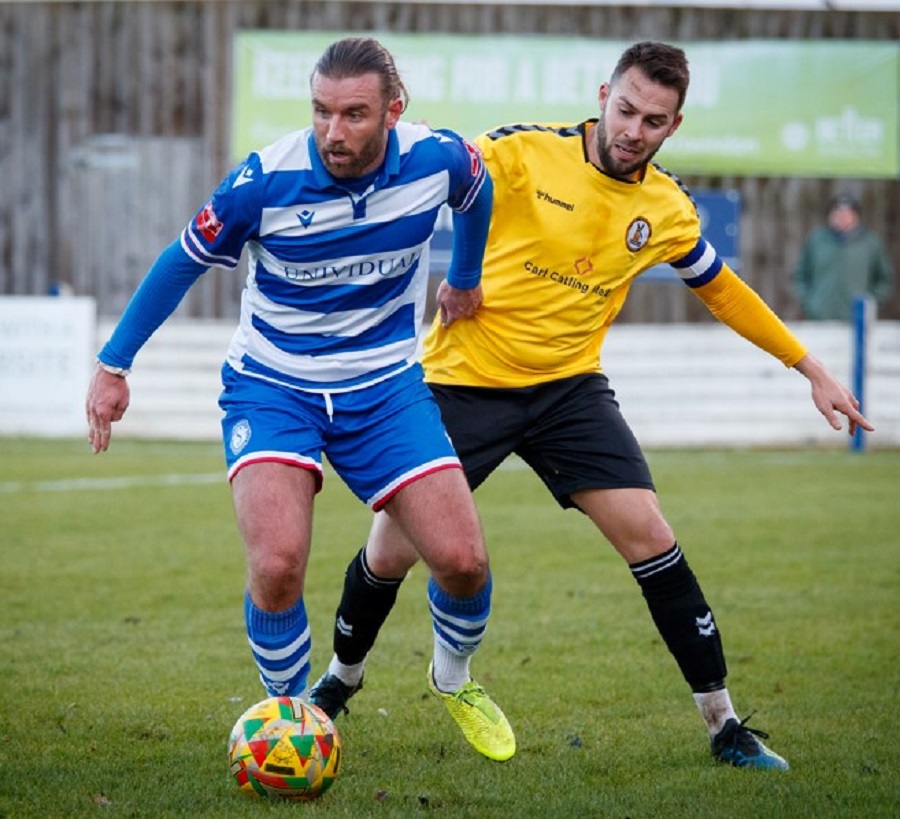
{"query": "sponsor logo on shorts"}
(240, 436)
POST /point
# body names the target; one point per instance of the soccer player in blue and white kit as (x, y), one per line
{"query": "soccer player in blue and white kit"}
(335, 219)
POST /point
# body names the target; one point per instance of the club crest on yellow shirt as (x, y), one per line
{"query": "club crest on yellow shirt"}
(638, 234)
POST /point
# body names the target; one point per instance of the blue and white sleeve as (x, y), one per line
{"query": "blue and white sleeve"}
(470, 232)
(471, 199)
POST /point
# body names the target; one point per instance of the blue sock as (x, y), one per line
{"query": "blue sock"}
(459, 622)
(280, 643)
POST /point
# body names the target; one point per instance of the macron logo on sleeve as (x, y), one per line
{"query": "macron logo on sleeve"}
(245, 176)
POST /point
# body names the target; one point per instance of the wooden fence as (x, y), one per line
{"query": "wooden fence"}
(114, 123)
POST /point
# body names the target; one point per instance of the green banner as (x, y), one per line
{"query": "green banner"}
(754, 108)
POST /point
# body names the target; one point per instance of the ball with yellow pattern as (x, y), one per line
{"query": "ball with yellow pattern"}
(283, 747)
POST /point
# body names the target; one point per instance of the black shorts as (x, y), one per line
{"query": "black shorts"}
(570, 432)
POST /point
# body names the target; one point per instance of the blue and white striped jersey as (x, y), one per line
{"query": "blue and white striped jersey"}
(335, 293)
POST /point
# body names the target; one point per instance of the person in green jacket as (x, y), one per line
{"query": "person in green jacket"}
(839, 261)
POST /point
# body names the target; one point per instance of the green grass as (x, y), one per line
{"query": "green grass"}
(125, 662)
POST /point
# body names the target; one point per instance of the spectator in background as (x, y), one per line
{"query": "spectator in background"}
(840, 260)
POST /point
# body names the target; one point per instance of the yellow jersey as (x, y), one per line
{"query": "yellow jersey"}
(565, 243)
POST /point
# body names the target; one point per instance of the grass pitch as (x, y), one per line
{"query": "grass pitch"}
(125, 661)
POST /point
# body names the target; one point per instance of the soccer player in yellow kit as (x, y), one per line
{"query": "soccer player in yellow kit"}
(579, 212)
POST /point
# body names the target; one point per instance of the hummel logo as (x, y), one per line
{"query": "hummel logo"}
(244, 177)
(546, 197)
(705, 625)
(344, 627)
(306, 217)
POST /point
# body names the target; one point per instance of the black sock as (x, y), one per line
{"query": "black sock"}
(365, 604)
(683, 618)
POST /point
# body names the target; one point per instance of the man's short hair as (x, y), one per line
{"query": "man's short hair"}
(660, 62)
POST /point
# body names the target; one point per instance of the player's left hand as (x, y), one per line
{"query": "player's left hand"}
(455, 304)
(831, 397)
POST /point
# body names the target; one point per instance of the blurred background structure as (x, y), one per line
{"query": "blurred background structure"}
(116, 122)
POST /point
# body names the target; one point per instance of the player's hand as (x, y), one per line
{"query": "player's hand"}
(455, 304)
(107, 399)
(831, 397)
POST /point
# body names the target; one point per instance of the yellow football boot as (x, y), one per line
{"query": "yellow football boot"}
(483, 724)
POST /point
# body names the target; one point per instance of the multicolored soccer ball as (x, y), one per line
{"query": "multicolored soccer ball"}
(284, 747)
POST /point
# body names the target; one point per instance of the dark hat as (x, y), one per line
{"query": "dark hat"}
(844, 200)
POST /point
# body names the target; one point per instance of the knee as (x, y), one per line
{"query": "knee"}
(659, 536)
(642, 539)
(275, 579)
(473, 571)
(463, 574)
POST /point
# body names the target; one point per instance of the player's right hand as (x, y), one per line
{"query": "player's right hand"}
(107, 399)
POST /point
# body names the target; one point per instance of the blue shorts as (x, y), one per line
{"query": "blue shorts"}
(378, 438)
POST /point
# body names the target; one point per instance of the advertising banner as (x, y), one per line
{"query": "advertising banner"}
(47, 347)
(755, 107)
